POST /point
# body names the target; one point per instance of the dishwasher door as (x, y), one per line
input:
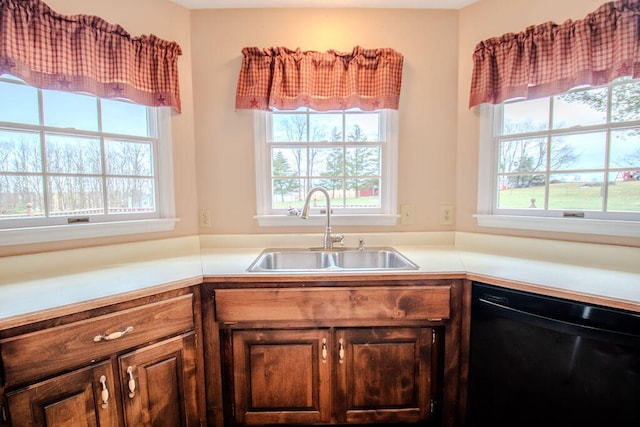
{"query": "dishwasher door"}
(541, 361)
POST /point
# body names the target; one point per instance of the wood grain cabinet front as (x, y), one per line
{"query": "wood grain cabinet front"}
(158, 384)
(344, 355)
(324, 375)
(385, 374)
(281, 376)
(50, 350)
(84, 397)
(135, 366)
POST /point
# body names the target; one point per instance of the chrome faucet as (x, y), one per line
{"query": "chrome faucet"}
(328, 239)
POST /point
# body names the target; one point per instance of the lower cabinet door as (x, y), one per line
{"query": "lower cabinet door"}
(159, 384)
(384, 374)
(84, 397)
(281, 376)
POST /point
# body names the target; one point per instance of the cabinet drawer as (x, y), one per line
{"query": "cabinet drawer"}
(38, 354)
(402, 302)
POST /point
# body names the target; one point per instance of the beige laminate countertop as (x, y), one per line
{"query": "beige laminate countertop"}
(593, 285)
(42, 286)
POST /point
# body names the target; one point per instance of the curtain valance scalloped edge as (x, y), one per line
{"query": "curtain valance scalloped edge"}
(84, 53)
(287, 79)
(551, 58)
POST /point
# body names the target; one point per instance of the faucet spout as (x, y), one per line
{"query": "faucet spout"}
(328, 239)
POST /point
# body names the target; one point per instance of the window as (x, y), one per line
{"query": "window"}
(351, 153)
(570, 162)
(68, 160)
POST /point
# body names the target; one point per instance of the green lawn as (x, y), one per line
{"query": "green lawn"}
(623, 196)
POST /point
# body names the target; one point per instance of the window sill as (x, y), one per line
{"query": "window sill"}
(18, 236)
(562, 225)
(320, 220)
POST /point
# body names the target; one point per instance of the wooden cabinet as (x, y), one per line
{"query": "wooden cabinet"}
(323, 355)
(159, 384)
(385, 374)
(281, 376)
(285, 376)
(133, 365)
(81, 398)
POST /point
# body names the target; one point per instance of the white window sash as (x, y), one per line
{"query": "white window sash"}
(385, 215)
(162, 220)
(488, 216)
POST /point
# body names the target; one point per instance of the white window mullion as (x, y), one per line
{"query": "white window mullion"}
(547, 169)
(43, 157)
(103, 162)
(607, 151)
(103, 176)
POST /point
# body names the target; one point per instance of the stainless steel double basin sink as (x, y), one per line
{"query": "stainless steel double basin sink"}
(279, 260)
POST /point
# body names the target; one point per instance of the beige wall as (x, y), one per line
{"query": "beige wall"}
(482, 20)
(428, 39)
(170, 22)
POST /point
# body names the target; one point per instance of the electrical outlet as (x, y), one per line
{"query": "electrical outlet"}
(406, 214)
(446, 214)
(205, 218)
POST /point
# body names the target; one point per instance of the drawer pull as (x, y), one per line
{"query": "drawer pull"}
(113, 335)
(324, 350)
(341, 351)
(104, 395)
(132, 383)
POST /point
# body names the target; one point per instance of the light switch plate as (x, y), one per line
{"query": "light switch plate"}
(446, 214)
(406, 214)
(205, 218)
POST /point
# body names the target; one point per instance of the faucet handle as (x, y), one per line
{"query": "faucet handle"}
(337, 238)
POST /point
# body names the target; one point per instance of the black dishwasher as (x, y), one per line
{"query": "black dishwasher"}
(543, 361)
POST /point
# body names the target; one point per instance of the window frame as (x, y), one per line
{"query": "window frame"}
(488, 215)
(37, 230)
(387, 213)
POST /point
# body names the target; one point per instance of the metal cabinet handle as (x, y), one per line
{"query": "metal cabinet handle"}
(104, 395)
(341, 351)
(132, 383)
(324, 350)
(113, 335)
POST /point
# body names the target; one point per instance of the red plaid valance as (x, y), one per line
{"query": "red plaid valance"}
(549, 59)
(84, 53)
(286, 79)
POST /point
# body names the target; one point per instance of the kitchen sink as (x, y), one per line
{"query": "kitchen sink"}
(338, 259)
(372, 259)
(290, 259)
